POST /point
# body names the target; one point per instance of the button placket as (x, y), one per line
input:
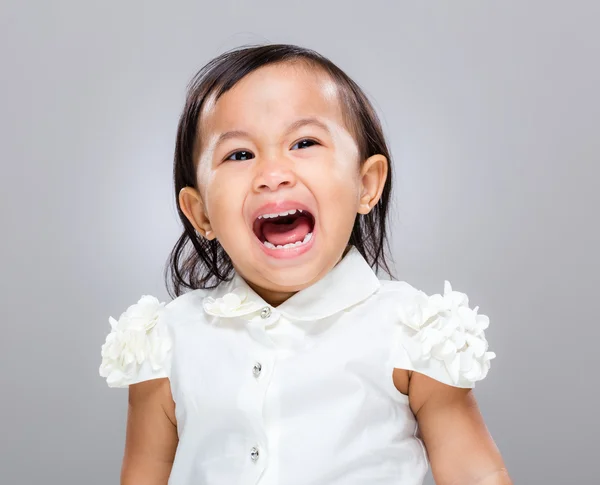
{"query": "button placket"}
(257, 369)
(265, 312)
(254, 453)
(260, 370)
(259, 324)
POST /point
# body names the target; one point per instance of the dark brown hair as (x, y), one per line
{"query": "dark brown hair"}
(196, 262)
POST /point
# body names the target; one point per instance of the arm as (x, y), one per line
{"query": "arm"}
(151, 438)
(460, 449)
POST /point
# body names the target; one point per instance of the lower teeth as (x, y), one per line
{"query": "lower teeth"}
(290, 245)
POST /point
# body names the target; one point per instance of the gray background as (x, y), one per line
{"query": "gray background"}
(492, 113)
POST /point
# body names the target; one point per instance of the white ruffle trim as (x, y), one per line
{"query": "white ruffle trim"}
(137, 337)
(446, 329)
(232, 304)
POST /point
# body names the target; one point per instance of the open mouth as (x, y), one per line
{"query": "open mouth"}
(284, 230)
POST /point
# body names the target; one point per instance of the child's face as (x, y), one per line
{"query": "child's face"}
(313, 168)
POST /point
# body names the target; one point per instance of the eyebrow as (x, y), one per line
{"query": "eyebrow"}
(291, 128)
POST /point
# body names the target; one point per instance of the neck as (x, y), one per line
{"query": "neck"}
(276, 297)
(273, 298)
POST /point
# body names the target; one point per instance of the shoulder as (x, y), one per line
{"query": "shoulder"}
(186, 306)
(397, 290)
(440, 335)
(138, 346)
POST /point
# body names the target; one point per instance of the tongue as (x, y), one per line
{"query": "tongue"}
(281, 234)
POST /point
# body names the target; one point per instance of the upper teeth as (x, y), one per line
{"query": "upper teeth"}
(280, 214)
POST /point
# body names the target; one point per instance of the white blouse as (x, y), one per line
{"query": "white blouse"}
(301, 393)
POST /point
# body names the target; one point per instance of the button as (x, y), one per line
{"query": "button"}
(254, 453)
(256, 370)
(265, 312)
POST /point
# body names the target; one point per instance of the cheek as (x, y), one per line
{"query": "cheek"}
(224, 202)
(340, 179)
(338, 200)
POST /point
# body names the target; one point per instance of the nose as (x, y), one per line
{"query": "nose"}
(271, 175)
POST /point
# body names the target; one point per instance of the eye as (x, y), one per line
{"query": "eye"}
(303, 143)
(244, 155)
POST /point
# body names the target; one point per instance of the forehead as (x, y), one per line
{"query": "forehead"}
(272, 97)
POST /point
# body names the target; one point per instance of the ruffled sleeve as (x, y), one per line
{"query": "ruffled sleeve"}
(138, 347)
(441, 337)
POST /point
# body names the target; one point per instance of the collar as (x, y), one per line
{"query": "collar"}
(350, 282)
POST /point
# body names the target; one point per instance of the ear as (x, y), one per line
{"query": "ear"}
(192, 206)
(373, 172)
